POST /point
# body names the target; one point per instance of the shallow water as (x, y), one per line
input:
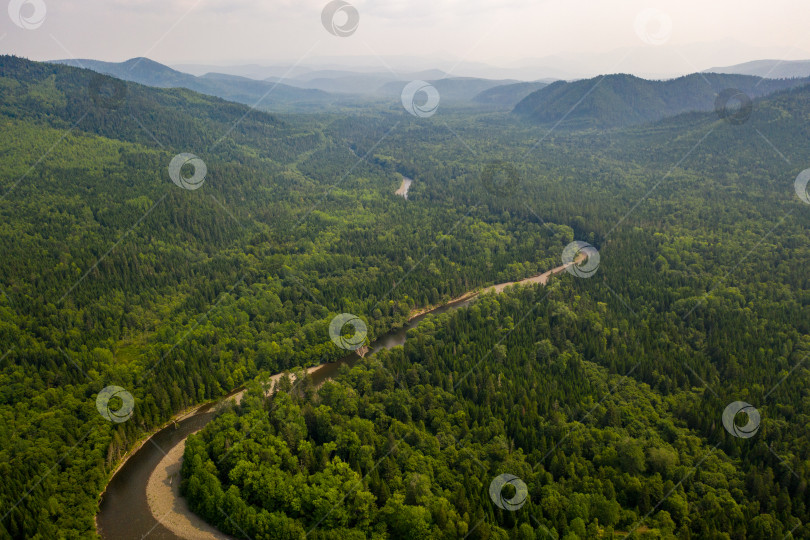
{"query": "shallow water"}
(124, 512)
(404, 187)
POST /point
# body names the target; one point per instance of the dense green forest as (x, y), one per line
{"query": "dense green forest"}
(113, 275)
(414, 436)
(610, 101)
(604, 395)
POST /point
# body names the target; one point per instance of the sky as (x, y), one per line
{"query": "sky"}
(573, 36)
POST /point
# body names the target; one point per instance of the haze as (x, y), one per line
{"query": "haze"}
(571, 38)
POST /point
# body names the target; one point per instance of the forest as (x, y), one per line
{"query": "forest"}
(604, 395)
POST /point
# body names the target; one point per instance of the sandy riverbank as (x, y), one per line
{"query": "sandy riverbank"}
(163, 489)
(169, 508)
(404, 187)
(499, 288)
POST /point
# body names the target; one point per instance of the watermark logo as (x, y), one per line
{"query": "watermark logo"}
(27, 14)
(358, 337)
(516, 501)
(749, 429)
(340, 18)
(801, 186)
(419, 108)
(580, 259)
(192, 182)
(122, 413)
(734, 106)
(653, 26)
(107, 92)
(500, 178)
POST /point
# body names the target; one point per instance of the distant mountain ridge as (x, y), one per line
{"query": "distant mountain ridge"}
(230, 87)
(508, 95)
(358, 83)
(621, 100)
(606, 102)
(451, 88)
(773, 69)
(311, 89)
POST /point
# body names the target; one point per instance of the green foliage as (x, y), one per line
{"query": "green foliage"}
(622, 100)
(113, 275)
(435, 423)
(604, 395)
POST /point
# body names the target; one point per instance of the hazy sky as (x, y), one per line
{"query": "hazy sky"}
(500, 32)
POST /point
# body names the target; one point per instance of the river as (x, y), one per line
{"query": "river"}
(124, 510)
(404, 187)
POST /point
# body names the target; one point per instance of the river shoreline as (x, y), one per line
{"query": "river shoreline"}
(469, 295)
(164, 499)
(141, 441)
(161, 490)
(177, 417)
(404, 187)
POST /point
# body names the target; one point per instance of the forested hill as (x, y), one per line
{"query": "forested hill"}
(239, 89)
(508, 95)
(452, 89)
(605, 395)
(113, 275)
(624, 100)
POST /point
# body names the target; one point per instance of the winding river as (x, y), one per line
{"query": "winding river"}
(142, 497)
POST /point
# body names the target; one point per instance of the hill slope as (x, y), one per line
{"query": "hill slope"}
(624, 100)
(451, 88)
(508, 95)
(239, 89)
(179, 296)
(339, 81)
(113, 275)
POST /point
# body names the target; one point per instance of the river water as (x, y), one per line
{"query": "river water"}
(404, 187)
(124, 512)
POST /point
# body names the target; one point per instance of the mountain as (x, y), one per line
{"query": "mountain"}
(250, 71)
(774, 69)
(351, 82)
(530, 70)
(611, 101)
(451, 89)
(233, 88)
(141, 70)
(508, 95)
(343, 73)
(664, 61)
(307, 89)
(226, 77)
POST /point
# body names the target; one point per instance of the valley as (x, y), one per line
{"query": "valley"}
(292, 301)
(169, 515)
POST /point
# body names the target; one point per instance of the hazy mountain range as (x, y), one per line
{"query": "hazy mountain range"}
(664, 61)
(603, 102)
(774, 69)
(312, 89)
(624, 100)
(230, 87)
